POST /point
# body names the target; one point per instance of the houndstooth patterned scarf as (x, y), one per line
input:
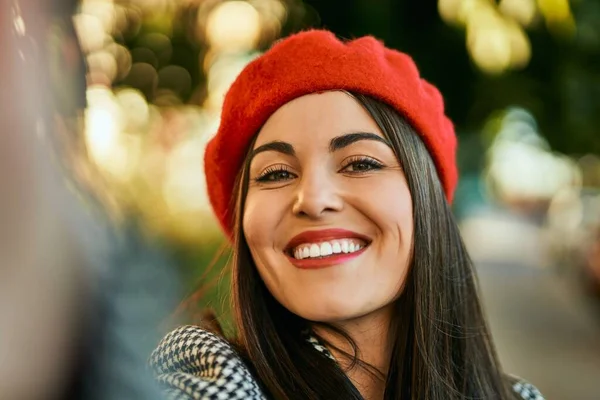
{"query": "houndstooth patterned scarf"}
(192, 363)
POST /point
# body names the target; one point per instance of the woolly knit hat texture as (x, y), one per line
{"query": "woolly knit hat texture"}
(316, 61)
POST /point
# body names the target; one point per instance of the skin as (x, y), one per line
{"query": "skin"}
(360, 187)
(40, 280)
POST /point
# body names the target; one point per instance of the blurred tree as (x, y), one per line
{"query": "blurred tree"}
(561, 84)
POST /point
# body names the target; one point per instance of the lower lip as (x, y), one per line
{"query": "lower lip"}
(329, 261)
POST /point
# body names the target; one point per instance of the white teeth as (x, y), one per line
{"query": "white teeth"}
(345, 246)
(315, 250)
(305, 252)
(336, 248)
(324, 249)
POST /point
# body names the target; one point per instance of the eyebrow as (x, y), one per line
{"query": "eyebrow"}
(337, 143)
(278, 146)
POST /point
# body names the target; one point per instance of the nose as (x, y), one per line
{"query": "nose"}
(317, 194)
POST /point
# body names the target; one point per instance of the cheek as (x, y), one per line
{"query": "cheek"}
(391, 210)
(256, 222)
(263, 212)
(401, 225)
(399, 212)
(391, 215)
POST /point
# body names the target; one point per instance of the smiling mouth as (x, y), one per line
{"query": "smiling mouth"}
(328, 248)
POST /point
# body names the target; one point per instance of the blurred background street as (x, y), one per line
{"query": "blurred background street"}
(546, 329)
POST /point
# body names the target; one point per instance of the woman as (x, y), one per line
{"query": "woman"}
(332, 173)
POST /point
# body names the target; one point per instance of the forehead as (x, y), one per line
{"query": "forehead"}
(316, 117)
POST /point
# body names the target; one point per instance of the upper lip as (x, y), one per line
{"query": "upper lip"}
(324, 235)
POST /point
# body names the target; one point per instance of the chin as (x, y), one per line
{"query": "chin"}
(327, 310)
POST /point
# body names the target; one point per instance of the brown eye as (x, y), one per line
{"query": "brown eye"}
(275, 174)
(361, 165)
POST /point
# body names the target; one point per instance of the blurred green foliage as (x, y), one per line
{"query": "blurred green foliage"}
(560, 86)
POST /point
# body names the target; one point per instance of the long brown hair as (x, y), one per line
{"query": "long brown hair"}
(442, 346)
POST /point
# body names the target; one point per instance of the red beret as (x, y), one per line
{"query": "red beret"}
(316, 61)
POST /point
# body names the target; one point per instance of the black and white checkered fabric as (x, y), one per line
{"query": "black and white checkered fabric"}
(192, 363)
(527, 390)
(319, 347)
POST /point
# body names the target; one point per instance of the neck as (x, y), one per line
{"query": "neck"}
(371, 333)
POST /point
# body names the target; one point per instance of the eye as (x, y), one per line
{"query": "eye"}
(357, 165)
(276, 173)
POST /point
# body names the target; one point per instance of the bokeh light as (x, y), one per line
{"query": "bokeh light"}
(558, 16)
(521, 166)
(233, 26)
(92, 35)
(522, 11)
(496, 37)
(149, 117)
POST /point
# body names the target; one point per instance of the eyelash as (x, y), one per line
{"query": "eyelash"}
(265, 177)
(373, 164)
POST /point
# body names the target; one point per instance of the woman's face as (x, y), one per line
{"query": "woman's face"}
(328, 215)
